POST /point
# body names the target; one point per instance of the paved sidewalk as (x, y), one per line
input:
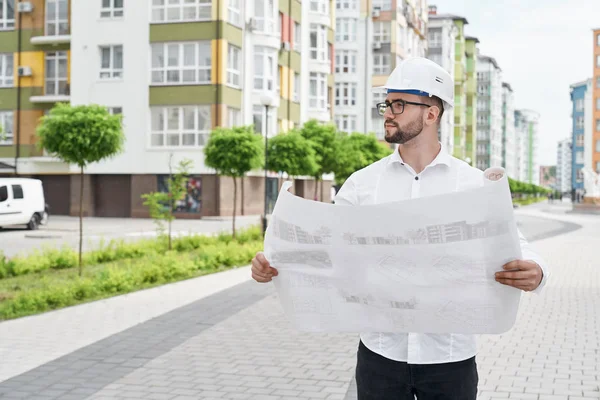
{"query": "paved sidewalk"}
(236, 343)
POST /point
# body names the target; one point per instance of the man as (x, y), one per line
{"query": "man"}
(404, 365)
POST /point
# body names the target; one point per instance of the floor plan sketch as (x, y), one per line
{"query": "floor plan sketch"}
(397, 267)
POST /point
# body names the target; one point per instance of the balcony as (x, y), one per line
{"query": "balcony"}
(56, 92)
(56, 32)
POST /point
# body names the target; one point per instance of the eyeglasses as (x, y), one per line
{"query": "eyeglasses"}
(397, 106)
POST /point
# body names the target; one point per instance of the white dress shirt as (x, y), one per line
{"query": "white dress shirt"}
(388, 180)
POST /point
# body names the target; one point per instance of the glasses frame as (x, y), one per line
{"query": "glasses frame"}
(403, 102)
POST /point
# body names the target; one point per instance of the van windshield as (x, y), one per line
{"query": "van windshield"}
(3, 193)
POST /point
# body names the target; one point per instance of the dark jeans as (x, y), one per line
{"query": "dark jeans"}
(379, 378)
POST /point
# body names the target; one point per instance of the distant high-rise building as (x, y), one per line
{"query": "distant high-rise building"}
(508, 131)
(489, 113)
(527, 140)
(471, 113)
(595, 148)
(582, 133)
(563, 166)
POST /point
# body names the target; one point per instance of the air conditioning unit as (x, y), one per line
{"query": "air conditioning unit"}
(24, 71)
(25, 7)
(286, 46)
(375, 12)
(377, 45)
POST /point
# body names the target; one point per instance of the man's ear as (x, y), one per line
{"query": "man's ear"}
(432, 115)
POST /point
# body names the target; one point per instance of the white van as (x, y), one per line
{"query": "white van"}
(22, 203)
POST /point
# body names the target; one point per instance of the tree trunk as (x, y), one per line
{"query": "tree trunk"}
(234, 202)
(81, 223)
(316, 188)
(321, 180)
(242, 212)
(171, 202)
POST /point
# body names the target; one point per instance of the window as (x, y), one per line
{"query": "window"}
(345, 94)
(56, 73)
(111, 62)
(234, 66)
(278, 81)
(579, 157)
(296, 94)
(319, 6)
(435, 38)
(264, 14)
(181, 10)
(264, 68)
(57, 17)
(17, 192)
(345, 4)
(383, 5)
(580, 175)
(598, 103)
(318, 42)
(345, 30)
(379, 97)
(186, 63)
(258, 119)
(233, 12)
(318, 91)
(598, 167)
(6, 70)
(598, 82)
(436, 58)
(378, 126)
(297, 37)
(234, 117)
(381, 64)
(597, 40)
(7, 14)
(111, 9)
(598, 125)
(579, 122)
(598, 61)
(6, 123)
(579, 105)
(346, 123)
(3, 193)
(381, 32)
(186, 126)
(345, 61)
(579, 141)
(597, 145)
(115, 110)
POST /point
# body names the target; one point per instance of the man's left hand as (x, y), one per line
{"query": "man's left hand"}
(522, 274)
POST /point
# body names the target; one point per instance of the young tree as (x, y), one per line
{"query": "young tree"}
(234, 152)
(163, 204)
(291, 153)
(356, 151)
(81, 135)
(324, 139)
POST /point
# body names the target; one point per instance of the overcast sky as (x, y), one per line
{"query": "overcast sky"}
(542, 48)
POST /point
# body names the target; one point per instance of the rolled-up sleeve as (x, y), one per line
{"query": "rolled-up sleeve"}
(527, 253)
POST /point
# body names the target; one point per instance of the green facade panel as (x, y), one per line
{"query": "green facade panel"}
(9, 42)
(26, 150)
(187, 31)
(330, 36)
(195, 94)
(294, 61)
(8, 99)
(296, 11)
(290, 107)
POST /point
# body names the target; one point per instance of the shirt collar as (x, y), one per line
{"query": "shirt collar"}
(442, 158)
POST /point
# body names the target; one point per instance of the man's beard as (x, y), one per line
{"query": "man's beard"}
(401, 136)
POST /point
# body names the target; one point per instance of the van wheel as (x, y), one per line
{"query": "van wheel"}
(34, 223)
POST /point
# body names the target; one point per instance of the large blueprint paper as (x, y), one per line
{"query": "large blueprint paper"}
(423, 265)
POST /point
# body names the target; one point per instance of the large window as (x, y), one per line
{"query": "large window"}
(381, 64)
(345, 94)
(111, 9)
(234, 66)
(187, 63)
(318, 91)
(435, 38)
(264, 14)
(579, 122)
(381, 32)
(579, 157)
(579, 105)
(264, 68)
(7, 14)
(234, 117)
(346, 123)
(345, 30)
(297, 37)
(319, 6)
(57, 17)
(7, 78)
(111, 62)
(597, 125)
(185, 126)
(6, 127)
(192, 200)
(258, 118)
(296, 92)
(233, 12)
(346, 4)
(383, 5)
(56, 73)
(579, 140)
(598, 146)
(181, 10)
(345, 61)
(318, 42)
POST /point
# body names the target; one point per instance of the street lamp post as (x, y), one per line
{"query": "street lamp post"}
(267, 101)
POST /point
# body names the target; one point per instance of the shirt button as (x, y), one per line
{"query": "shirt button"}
(402, 163)
(416, 178)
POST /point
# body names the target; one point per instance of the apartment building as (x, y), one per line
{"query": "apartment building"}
(175, 70)
(563, 166)
(527, 149)
(371, 38)
(582, 137)
(489, 113)
(471, 45)
(595, 149)
(508, 130)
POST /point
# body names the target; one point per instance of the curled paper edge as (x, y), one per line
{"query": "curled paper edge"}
(494, 174)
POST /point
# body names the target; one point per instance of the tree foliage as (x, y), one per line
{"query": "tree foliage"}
(81, 135)
(234, 152)
(325, 142)
(291, 153)
(356, 151)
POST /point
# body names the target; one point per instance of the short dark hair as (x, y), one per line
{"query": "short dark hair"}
(436, 101)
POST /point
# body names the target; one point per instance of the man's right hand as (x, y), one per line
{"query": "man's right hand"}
(261, 269)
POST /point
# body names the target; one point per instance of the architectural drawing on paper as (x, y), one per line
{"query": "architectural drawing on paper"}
(474, 316)
(317, 259)
(401, 270)
(293, 233)
(297, 280)
(460, 269)
(320, 305)
(370, 300)
(434, 234)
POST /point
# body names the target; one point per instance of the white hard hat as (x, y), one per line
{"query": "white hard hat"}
(422, 77)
